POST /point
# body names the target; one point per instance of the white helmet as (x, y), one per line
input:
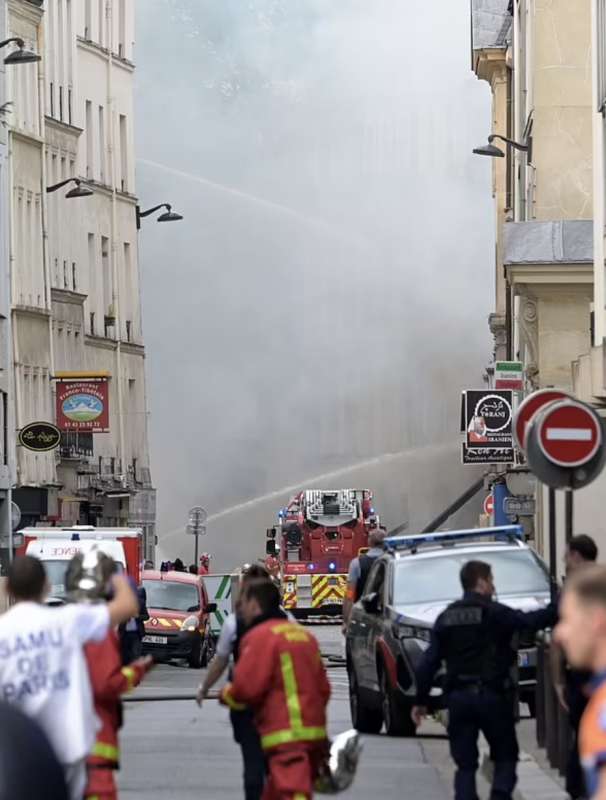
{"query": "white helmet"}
(339, 770)
(88, 576)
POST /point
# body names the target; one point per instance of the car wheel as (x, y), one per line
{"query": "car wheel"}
(396, 711)
(363, 718)
(196, 657)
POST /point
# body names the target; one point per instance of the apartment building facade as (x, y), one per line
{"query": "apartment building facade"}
(75, 288)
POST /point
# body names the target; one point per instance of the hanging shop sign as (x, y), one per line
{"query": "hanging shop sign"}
(40, 437)
(488, 427)
(83, 405)
(509, 375)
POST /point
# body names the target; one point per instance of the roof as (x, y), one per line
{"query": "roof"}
(491, 24)
(558, 241)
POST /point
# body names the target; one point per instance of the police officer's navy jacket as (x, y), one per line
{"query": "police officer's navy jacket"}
(474, 637)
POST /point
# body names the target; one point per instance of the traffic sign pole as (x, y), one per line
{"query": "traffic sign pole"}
(553, 563)
(569, 510)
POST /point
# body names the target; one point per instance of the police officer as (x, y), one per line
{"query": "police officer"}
(358, 572)
(474, 637)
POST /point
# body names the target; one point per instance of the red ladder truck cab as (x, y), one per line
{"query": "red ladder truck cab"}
(317, 536)
(55, 547)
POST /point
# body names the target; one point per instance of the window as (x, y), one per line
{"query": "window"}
(89, 140)
(69, 106)
(88, 20)
(51, 98)
(170, 595)
(123, 154)
(122, 29)
(65, 283)
(92, 323)
(61, 103)
(128, 330)
(107, 277)
(101, 22)
(102, 144)
(74, 281)
(601, 51)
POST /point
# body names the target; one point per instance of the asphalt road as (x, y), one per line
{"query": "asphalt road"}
(171, 749)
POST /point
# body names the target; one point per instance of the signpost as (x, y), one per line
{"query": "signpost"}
(509, 375)
(196, 527)
(569, 433)
(527, 410)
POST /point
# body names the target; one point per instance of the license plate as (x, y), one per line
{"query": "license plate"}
(523, 659)
(155, 639)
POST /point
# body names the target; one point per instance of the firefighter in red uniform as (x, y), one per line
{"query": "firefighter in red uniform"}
(109, 679)
(280, 675)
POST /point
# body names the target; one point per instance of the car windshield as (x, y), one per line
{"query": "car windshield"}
(172, 595)
(55, 572)
(434, 580)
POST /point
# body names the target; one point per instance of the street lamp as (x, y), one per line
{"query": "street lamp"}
(79, 191)
(168, 216)
(20, 56)
(495, 152)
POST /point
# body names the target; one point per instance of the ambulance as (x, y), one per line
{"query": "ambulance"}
(55, 547)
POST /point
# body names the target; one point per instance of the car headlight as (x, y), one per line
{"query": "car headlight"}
(190, 624)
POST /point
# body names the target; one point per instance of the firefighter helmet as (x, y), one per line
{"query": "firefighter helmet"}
(88, 577)
(339, 770)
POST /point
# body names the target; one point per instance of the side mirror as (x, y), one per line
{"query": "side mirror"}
(211, 608)
(370, 603)
(270, 547)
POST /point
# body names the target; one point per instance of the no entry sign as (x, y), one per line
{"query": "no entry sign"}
(529, 408)
(569, 434)
(489, 505)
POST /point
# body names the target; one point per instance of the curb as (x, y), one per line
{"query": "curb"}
(533, 782)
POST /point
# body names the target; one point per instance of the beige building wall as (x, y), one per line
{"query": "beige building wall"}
(562, 110)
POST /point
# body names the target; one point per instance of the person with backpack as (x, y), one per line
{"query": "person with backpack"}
(358, 572)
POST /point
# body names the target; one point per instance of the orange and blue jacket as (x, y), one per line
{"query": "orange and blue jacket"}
(281, 677)
(109, 681)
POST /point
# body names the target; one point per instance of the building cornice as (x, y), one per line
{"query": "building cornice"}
(490, 62)
(132, 348)
(100, 343)
(30, 311)
(27, 138)
(67, 296)
(104, 53)
(568, 276)
(31, 12)
(63, 127)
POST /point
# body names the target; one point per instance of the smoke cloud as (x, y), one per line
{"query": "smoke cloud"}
(324, 301)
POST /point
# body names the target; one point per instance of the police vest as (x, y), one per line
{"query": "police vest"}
(366, 563)
(475, 651)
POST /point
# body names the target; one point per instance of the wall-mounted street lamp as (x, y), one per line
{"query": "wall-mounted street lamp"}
(168, 216)
(20, 56)
(79, 191)
(493, 151)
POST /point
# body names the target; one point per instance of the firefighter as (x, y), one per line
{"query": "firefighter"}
(280, 676)
(109, 680)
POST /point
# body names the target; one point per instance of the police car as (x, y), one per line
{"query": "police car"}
(406, 590)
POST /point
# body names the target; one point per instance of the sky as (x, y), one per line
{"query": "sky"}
(325, 299)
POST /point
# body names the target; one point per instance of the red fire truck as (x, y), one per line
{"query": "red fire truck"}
(317, 536)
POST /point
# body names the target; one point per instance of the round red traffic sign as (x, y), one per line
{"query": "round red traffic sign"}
(489, 505)
(569, 433)
(531, 406)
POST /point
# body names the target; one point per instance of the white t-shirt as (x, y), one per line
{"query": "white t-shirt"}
(43, 670)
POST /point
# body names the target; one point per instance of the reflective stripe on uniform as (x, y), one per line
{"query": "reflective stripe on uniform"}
(103, 750)
(230, 702)
(131, 677)
(297, 731)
